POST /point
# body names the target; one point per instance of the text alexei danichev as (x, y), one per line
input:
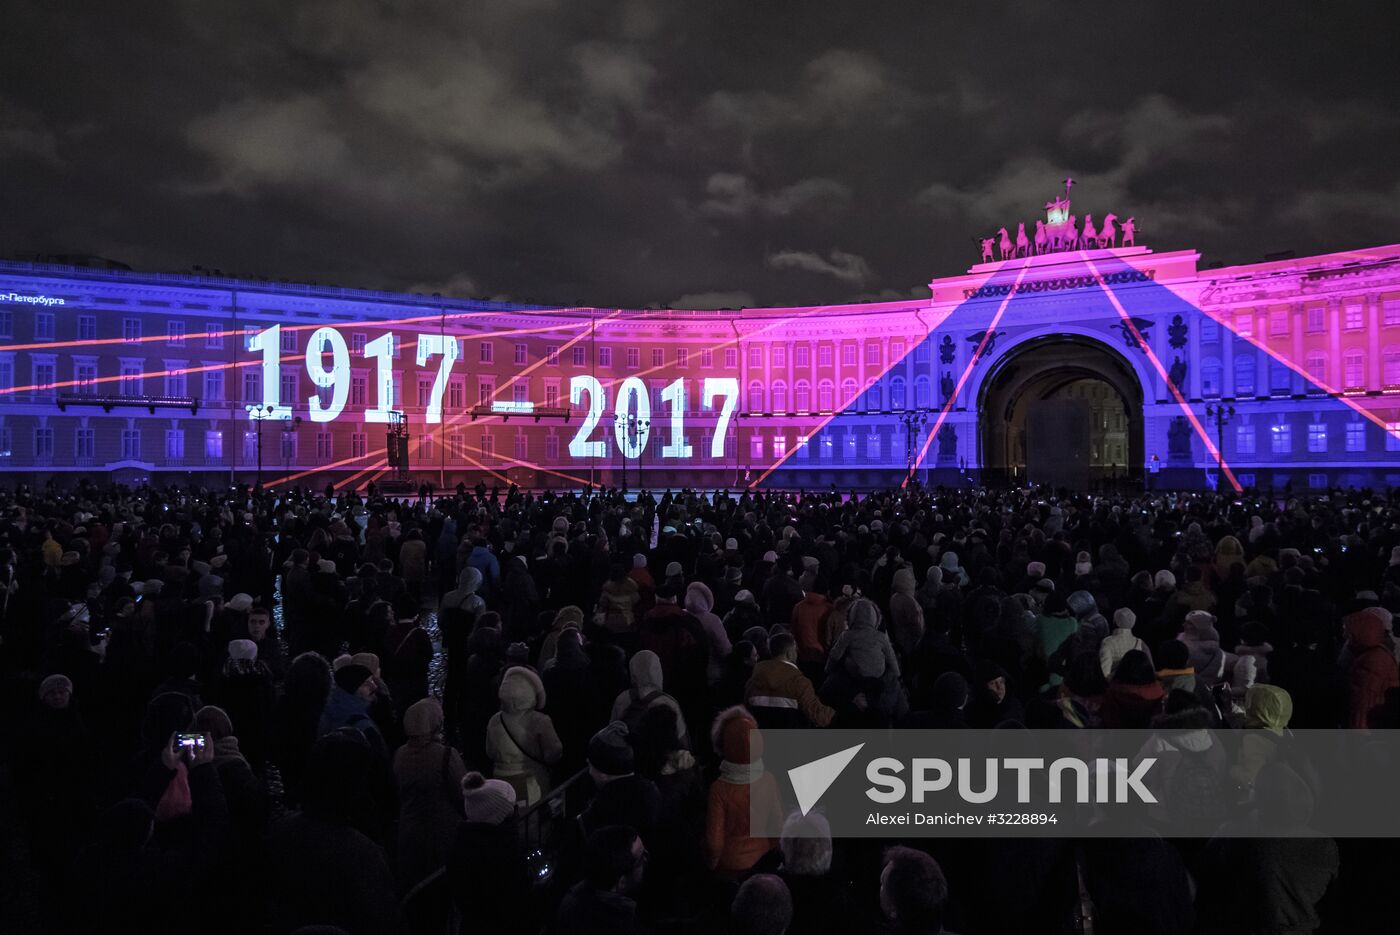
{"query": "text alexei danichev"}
(960, 818)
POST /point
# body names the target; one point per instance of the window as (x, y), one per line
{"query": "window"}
(801, 449)
(604, 357)
(551, 447)
(731, 358)
(551, 355)
(1390, 366)
(848, 355)
(1278, 322)
(1390, 313)
(707, 358)
(897, 393)
(520, 354)
(1244, 325)
(175, 333)
(1317, 319)
(425, 448)
(779, 353)
(1244, 375)
(425, 392)
(658, 357)
(325, 447)
(848, 392)
(85, 444)
(827, 447)
(1317, 481)
(779, 446)
(175, 382)
(755, 396)
(486, 352)
(872, 355)
(682, 358)
(488, 446)
(43, 443)
(551, 395)
(131, 444)
(872, 396)
(358, 383)
(213, 446)
(755, 358)
(288, 386)
(1353, 316)
(213, 335)
(923, 393)
(1317, 368)
(1210, 329)
(7, 324)
(824, 355)
(1392, 436)
(1280, 378)
(520, 391)
(578, 355)
(1354, 369)
(85, 376)
(485, 389)
(1210, 377)
(634, 358)
(359, 444)
(174, 445)
(897, 350)
(289, 340)
(522, 446)
(803, 396)
(825, 392)
(43, 326)
(780, 396)
(45, 375)
(357, 343)
(1282, 436)
(7, 377)
(289, 447)
(872, 446)
(849, 448)
(756, 447)
(921, 352)
(1244, 440)
(802, 356)
(1356, 436)
(1317, 438)
(131, 329)
(252, 386)
(87, 328)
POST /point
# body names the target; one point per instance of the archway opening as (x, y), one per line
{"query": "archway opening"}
(1065, 411)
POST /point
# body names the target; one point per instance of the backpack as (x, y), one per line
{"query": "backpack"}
(637, 709)
(1194, 796)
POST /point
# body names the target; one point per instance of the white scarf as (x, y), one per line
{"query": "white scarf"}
(740, 774)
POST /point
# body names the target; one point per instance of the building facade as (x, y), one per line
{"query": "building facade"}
(1070, 366)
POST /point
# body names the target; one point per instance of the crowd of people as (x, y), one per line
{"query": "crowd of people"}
(492, 711)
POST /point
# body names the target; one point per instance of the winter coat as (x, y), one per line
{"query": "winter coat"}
(863, 652)
(346, 709)
(733, 841)
(1117, 645)
(1212, 664)
(489, 877)
(1267, 710)
(413, 560)
(646, 692)
(906, 616)
(699, 603)
(1373, 670)
(428, 775)
(778, 684)
(520, 738)
(807, 620)
(326, 873)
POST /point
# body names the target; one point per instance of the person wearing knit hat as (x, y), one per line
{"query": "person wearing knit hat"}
(1035, 570)
(770, 556)
(621, 797)
(487, 801)
(199, 569)
(732, 545)
(243, 650)
(240, 602)
(56, 691)
(341, 661)
(348, 704)
(744, 811)
(428, 775)
(570, 616)
(610, 754)
(1120, 642)
(1083, 565)
(369, 660)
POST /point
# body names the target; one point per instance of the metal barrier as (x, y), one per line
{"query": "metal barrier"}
(536, 822)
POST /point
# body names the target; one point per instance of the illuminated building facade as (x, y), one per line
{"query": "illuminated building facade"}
(1065, 364)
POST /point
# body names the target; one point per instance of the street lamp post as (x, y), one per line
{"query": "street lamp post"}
(290, 424)
(1222, 413)
(630, 426)
(258, 412)
(914, 423)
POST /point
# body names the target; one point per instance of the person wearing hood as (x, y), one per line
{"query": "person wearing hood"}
(953, 573)
(993, 701)
(1194, 767)
(348, 705)
(941, 706)
(906, 616)
(1053, 628)
(1120, 642)
(565, 617)
(408, 656)
(743, 616)
(520, 738)
(699, 603)
(617, 602)
(1134, 695)
(1372, 671)
(428, 776)
(465, 596)
(744, 814)
(574, 700)
(1193, 596)
(518, 599)
(646, 584)
(1212, 664)
(862, 668)
(1093, 628)
(1267, 711)
(647, 689)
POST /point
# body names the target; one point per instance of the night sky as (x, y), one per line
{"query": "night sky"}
(691, 154)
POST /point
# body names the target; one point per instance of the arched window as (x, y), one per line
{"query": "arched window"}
(872, 396)
(825, 391)
(802, 396)
(780, 396)
(755, 396)
(848, 392)
(897, 393)
(1210, 377)
(1244, 375)
(922, 395)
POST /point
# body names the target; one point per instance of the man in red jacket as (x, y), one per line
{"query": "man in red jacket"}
(1373, 670)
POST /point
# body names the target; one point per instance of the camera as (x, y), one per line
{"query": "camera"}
(190, 742)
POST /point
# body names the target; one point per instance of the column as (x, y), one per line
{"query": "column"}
(1370, 305)
(1334, 344)
(1227, 361)
(1297, 322)
(1192, 390)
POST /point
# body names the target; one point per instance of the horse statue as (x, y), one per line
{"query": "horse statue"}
(1023, 244)
(1129, 230)
(987, 249)
(1067, 236)
(1107, 235)
(1005, 244)
(1041, 238)
(1089, 237)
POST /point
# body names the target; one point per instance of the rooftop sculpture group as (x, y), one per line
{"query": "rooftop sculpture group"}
(1059, 232)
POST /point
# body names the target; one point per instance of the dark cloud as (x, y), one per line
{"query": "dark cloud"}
(635, 153)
